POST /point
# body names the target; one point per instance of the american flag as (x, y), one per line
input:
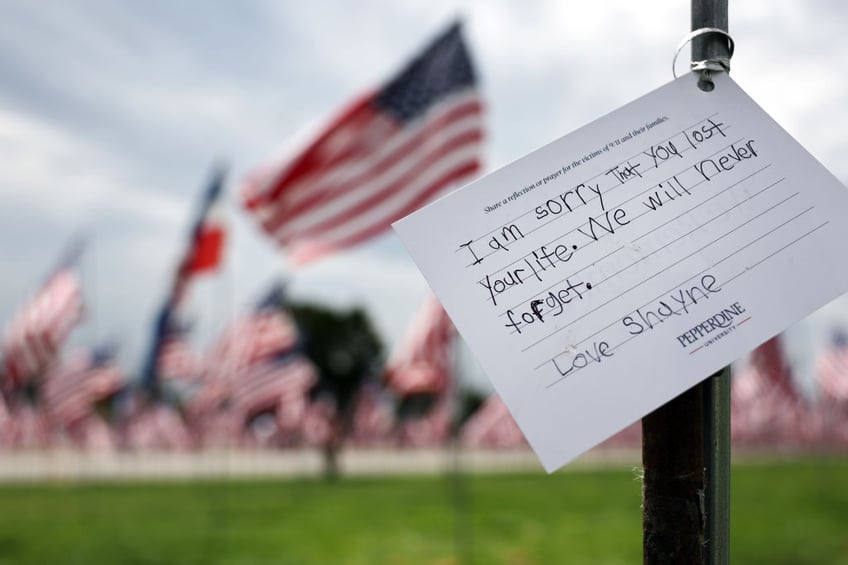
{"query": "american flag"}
(176, 360)
(248, 350)
(832, 370)
(431, 429)
(165, 330)
(765, 404)
(319, 422)
(769, 359)
(387, 154)
(157, 427)
(273, 385)
(35, 335)
(29, 429)
(373, 417)
(267, 332)
(752, 404)
(423, 360)
(75, 385)
(204, 253)
(206, 242)
(492, 426)
(6, 424)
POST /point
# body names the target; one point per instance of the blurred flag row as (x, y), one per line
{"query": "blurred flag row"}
(263, 382)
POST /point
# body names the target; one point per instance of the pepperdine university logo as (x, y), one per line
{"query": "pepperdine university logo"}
(713, 328)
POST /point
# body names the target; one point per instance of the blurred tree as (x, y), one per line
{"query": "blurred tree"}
(346, 351)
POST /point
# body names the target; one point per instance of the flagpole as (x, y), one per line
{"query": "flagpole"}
(716, 389)
(686, 442)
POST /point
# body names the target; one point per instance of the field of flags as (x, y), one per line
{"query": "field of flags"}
(260, 385)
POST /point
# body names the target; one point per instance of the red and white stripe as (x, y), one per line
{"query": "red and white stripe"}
(176, 360)
(272, 385)
(157, 427)
(769, 359)
(766, 408)
(6, 424)
(492, 426)
(832, 374)
(423, 360)
(430, 430)
(72, 388)
(318, 425)
(365, 172)
(250, 339)
(36, 334)
(373, 418)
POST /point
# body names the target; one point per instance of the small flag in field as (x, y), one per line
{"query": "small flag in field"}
(204, 253)
(157, 427)
(766, 407)
(6, 424)
(177, 361)
(430, 429)
(267, 332)
(423, 360)
(273, 385)
(165, 351)
(386, 155)
(75, 385)
(492, 426)
(206, 244)
(832, 370)
(35, 335)
(373, 417)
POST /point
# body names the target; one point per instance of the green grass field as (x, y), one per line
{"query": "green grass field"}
(788, 512)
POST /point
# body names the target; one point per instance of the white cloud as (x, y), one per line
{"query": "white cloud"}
(47, 170)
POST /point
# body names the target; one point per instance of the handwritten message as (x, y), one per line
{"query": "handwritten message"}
(621, 264)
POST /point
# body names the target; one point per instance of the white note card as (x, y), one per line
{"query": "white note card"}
(607, 272)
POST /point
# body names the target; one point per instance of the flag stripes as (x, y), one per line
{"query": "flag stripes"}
(423, 360)
(35, 335)
(388, 154)
(272, 384)
(259, 335)
(73, 387)
(458, 123)
(832, 372)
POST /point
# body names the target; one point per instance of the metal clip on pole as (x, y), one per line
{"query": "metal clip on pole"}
(705, 66)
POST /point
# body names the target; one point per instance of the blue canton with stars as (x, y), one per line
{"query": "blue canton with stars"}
(444, 68)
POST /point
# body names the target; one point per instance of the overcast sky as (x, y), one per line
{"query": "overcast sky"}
(112, 114)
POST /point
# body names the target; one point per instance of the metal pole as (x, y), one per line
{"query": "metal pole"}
(717, 466)
(686, 442)
(716, 389)
(673, 481)
(709, 13)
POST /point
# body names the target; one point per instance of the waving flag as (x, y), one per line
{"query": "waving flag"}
(832, 370)
(492, 426)
(387, 154)
(39, 329)
(273, 384)
(176, 360)
(206, 243)
(423, 360)
(254, 367)
(766, 408)
(203, 255)
(268, 331)
(74, 386)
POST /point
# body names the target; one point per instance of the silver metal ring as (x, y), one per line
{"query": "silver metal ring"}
(718, 64)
